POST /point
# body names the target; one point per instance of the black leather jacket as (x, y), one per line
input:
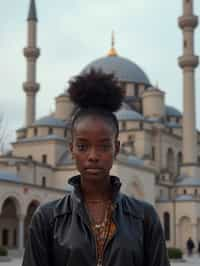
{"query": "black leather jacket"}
(60, 233)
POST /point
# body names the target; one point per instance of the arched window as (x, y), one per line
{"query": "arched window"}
(179, 158)
(153, 153)
(170, 160)
(123, 125)
(65, 133)
(179, 161)
(184, 191)
(44, 158)
(35, 131)
(166, 219)
(50, 131)
(136, 91)
(30, 158)
(44, 181)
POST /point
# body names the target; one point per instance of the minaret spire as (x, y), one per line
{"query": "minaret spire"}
(32, 15)
(31, 52)
(112, 51)
(188, 62)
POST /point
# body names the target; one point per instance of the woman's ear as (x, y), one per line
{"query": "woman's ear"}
(117, 147)
(71, 149)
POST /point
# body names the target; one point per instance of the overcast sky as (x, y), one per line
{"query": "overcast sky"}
(73, 33)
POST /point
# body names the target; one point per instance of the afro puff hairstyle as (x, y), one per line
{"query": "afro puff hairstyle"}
(96, 94)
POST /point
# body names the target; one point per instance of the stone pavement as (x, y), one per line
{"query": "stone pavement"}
(192, 261)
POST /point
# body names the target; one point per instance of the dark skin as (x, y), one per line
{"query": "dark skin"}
(94, 147)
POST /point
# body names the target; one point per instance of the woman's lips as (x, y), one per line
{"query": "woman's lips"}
(93, 170)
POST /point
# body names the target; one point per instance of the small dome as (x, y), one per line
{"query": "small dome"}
(124, 114)
(172, 111)
(123, 69)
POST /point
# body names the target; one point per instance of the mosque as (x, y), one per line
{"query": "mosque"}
(159, 159)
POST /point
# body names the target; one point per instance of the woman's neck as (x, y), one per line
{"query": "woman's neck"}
(96, 190)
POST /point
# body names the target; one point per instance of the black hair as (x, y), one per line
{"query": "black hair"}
(96, 94)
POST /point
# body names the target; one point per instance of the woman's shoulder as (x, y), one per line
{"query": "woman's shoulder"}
(48, 211)
(139, 207)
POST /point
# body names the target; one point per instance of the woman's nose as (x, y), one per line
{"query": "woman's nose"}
(93, 155)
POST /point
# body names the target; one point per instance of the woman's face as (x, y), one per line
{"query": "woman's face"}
(94, 147)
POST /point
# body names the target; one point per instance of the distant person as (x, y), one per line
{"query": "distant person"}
(190, 246)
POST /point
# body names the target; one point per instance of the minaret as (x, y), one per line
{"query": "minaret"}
(31, 52)
(188, 62)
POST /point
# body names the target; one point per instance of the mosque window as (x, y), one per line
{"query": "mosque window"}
(5, 235)
(44, 181)
(44, 158)
(185, 44)
(166, 219)
(30, 158)
(179, 160)
(35, 131)
(141, 125)
(136, 91)
(170, 160)
(184, 191)
(153, 153)
(196, 192)
(123, 125)
(50, 131)
(65, 133)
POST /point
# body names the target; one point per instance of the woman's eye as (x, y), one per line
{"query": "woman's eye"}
(81, 147)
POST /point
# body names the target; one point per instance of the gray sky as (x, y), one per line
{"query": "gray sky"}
(73, 33)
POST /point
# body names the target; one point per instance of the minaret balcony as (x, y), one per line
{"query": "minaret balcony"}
(31, 52)
(188, 61)
(188, 22)
(31, 87)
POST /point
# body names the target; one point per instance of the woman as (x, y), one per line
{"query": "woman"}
(95, 225)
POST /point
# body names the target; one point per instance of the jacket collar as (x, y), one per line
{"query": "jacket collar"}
(74, 200)
(75, 181)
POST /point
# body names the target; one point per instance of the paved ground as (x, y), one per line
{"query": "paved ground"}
(193, 261)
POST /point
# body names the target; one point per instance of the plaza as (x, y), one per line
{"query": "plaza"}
(189, 261)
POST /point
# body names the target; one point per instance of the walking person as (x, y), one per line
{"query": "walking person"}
(95, 224)
(190, 246)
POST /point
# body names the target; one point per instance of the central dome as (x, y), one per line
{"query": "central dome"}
(123, 69)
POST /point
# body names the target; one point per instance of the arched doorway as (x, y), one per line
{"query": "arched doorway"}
(9, 224)
(185, 231)
(31, 209)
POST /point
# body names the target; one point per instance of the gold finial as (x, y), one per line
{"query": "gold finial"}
(112, 51)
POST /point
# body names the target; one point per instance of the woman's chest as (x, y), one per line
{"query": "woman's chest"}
(74, 242)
